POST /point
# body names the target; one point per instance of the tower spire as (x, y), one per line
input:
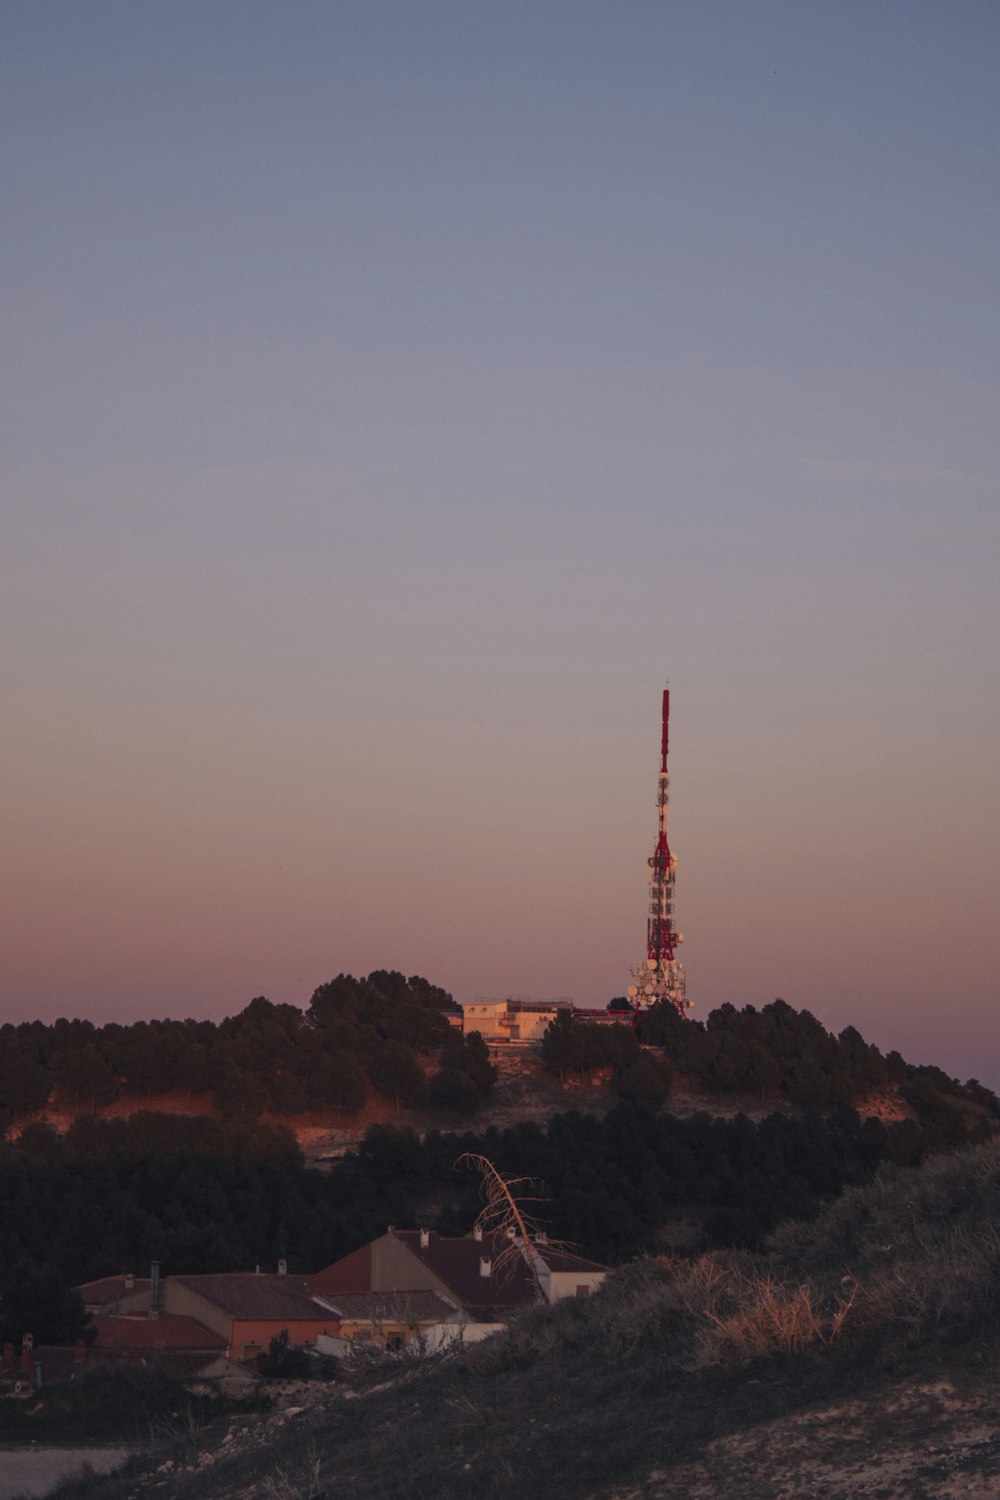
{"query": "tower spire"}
(661, 977)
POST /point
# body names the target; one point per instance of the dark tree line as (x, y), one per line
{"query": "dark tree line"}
(204, 1195)
(775, 1050)
(35, 1298)
(587, 1047)
(775, 1053)
(357, 1034)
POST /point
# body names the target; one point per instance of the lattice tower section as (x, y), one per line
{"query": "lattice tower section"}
(661, 977)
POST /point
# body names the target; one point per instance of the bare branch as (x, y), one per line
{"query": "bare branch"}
(505, 1217)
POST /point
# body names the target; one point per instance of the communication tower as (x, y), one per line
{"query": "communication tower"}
(661, 977)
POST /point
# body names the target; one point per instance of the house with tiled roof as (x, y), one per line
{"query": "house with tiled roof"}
(179, 1345)
(125, 1293)
(393, 1319)
(486, 1274)
(562, 1274)
(247, 1310)
(155, 1335)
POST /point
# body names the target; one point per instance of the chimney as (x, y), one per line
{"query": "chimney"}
(485, 1266)
(27, 1343)
(154, 1288)
(282, 1267)
(477, 1232)
(425, 1238)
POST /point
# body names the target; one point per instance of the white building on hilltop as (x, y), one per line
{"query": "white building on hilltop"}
(513, 1019)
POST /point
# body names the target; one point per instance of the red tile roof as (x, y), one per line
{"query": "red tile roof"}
(59, 1363)
(110, 1289)
(564, 1260)
(168, 1331)
(264, 1298)
(457, 1263)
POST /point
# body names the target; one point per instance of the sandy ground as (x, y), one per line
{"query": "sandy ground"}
(33, 1471)
(922, 1441)
(919, 1439)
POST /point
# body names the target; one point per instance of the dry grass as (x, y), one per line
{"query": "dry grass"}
(770, 1317)
(922, 1245)
(722, 1310)
(303, 1484)
(919, 1263)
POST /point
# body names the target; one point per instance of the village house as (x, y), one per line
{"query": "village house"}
(247, 1309)
(179, 1345)
(390, 1320)
(486, 1275)
(150, 1336)
(406, 1285)
(126, 1293)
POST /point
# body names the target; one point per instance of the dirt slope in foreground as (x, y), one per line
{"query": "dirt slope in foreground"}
(917, 1440)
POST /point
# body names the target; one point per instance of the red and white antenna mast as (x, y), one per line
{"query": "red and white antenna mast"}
(661, 977)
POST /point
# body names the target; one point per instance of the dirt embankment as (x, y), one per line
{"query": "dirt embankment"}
(917, 1440)
(524, 1092)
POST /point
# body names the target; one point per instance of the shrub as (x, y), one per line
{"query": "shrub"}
(284, 1361)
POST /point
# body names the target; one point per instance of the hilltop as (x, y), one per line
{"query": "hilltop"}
(856, 1355)
(666, 1132)
(385, 1048)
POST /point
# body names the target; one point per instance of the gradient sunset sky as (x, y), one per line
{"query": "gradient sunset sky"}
(395, 394)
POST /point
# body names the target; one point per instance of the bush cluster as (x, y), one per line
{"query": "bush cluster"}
(909, 1259)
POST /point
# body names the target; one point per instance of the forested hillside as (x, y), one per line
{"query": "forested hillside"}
(775, 1053)
(220, 1191)
(389, 1034)
(355, 1035)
